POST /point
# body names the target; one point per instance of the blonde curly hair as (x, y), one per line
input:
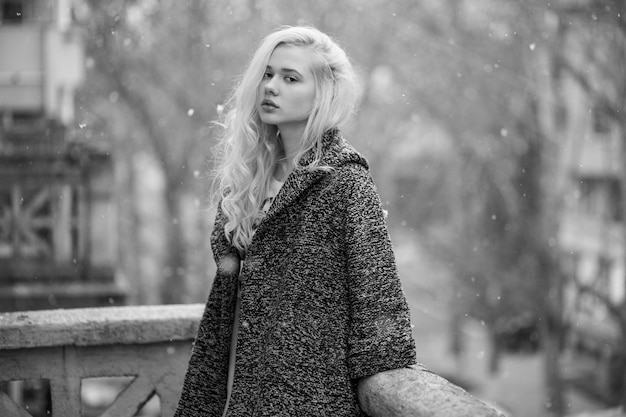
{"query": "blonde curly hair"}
(249, 149)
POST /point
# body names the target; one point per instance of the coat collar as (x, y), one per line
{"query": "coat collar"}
(335, 153)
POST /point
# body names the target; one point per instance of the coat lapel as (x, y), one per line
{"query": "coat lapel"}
(297, 182)
(301, 178)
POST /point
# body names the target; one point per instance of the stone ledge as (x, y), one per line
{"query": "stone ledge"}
(414, 391)
(99, 326)
(417, 392)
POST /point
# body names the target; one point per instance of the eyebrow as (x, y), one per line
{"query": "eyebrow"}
(286, 70)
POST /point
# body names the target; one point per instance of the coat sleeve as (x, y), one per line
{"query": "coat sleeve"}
(204, 387)
(380, 336)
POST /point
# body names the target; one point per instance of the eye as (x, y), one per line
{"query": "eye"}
(267, 75)
(291, 79)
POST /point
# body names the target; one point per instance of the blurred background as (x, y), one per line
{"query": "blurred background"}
(495, 131)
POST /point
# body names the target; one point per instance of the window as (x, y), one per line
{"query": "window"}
(615, 201)
(12, 11)
(601, 120)
(39, 227)
(589, 199)
(601, 198)
(603, 276)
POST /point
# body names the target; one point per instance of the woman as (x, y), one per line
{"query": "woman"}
(306, 300)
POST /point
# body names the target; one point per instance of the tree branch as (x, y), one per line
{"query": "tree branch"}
(613, 108)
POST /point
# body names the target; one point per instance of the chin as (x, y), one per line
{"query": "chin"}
(268, 120)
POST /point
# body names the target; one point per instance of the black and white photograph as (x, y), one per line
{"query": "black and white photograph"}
(313, 208)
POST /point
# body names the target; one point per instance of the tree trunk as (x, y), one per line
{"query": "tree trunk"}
(554, 381)
(496, 351)
(623, 395)
(622, 128)
(174, 286)
(546, 268)
(130, 232)
(623, 223)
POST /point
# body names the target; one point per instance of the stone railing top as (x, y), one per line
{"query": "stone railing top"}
(99, 326)
(408, 392)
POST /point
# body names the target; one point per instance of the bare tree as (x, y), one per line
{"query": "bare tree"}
(599, 29)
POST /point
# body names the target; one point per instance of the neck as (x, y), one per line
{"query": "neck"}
(290, 138)
(285, 163)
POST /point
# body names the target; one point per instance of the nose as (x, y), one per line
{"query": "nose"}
(270, 86)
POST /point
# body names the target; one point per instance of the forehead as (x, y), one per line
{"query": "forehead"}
(286, 57)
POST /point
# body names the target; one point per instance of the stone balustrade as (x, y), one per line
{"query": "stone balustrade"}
(152, 344)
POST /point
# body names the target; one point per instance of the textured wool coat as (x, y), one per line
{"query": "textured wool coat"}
(321, 301)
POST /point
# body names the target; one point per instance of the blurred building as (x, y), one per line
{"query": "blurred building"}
(592, 239)
(57, 216)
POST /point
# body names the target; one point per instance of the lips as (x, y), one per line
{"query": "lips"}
(268, 104)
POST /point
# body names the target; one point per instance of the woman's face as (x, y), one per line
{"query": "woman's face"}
(287, 91)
